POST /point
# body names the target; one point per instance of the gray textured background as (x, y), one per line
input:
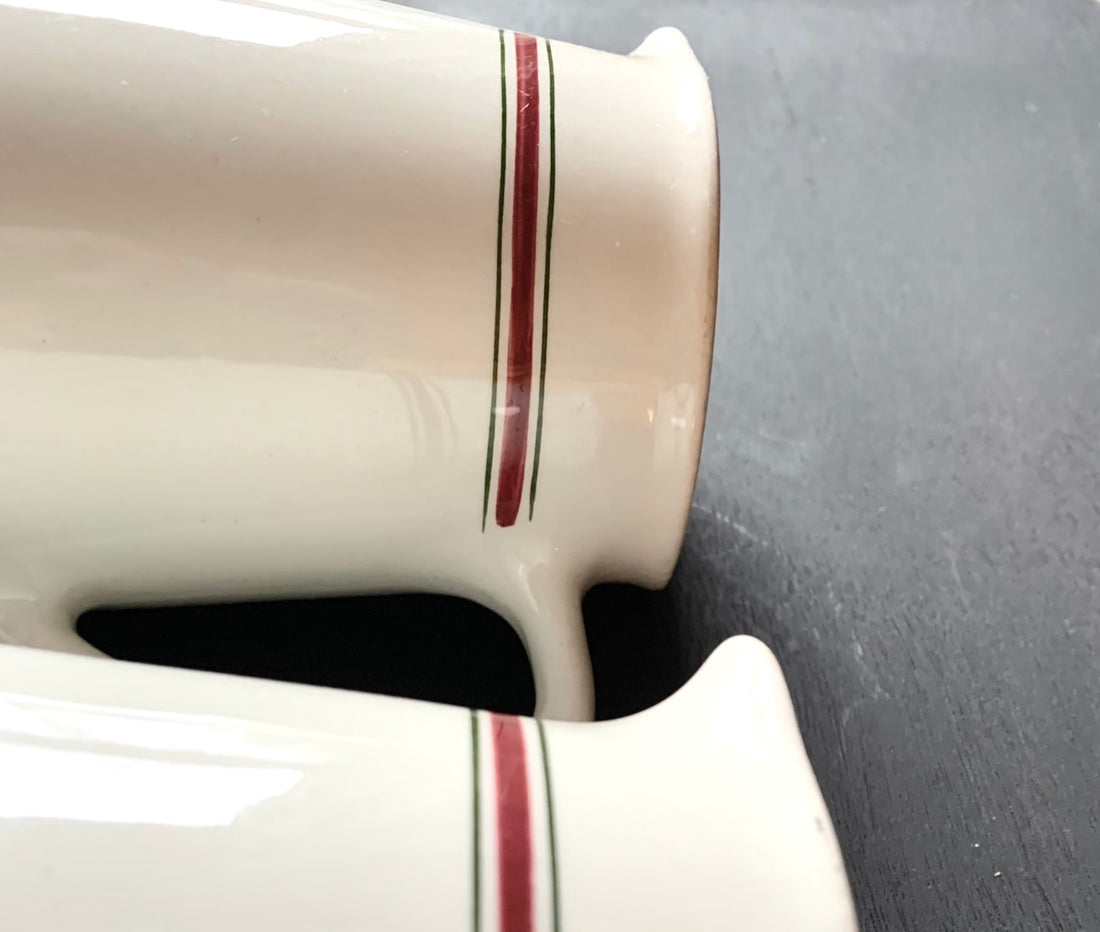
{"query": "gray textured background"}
(900, 487)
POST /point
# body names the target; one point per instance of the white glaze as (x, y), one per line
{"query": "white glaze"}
(136, 798)
(246, 323)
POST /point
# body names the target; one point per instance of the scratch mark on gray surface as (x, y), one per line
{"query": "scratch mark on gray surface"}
(781, 86)
(778, 456)
(729, 522)
(953, 561)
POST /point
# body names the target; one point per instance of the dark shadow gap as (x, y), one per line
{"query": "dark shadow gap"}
(434, 648)
(429, 647)
(633, 638)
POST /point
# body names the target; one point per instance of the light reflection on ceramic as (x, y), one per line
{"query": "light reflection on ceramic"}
(134, 797)
(121, 789)
(318, 298)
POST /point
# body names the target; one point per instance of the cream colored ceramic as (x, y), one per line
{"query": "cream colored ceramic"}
(328, 297)
(135, 798)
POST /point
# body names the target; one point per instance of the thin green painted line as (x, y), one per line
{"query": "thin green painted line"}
(476, 754)
(551, 834)
(496, 312)
(545, 281)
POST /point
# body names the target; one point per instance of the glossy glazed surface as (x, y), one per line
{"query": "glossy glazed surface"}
(312, 299)
(134, 797)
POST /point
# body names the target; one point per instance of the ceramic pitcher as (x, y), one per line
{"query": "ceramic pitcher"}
(309, 298)
(140, 798)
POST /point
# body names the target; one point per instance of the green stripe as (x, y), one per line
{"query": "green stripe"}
(545, 282)
(496, 313)
(476, 754)
(551, 834)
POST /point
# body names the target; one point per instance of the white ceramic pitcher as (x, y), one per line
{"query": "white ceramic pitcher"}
(135, 798)
(308, 298)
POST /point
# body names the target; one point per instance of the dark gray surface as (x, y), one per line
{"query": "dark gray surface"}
(900, 486)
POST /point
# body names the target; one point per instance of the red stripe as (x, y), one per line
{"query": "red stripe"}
(521, 326)
(513, 825)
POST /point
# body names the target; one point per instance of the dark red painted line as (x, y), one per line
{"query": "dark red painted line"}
(513, 825)
(521, 321)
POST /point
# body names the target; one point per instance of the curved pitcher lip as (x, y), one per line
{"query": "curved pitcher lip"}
(738, 704)
(666, 42)
(698, 315)
(741, 693)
